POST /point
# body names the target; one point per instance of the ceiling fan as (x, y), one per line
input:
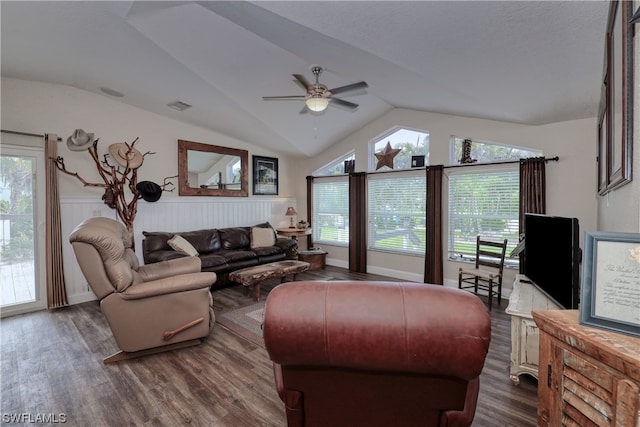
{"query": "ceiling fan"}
(318, 96)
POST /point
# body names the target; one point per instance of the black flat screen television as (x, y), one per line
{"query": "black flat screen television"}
(552, 257)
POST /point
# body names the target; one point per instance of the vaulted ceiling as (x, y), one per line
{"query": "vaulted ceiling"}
(531, 62)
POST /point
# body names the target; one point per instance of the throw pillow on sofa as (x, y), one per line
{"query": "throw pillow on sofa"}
(180, 244)
(262, 237)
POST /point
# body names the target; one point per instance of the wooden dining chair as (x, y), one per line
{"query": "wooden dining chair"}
(487, 273)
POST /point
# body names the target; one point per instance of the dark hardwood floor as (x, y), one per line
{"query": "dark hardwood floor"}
(51, 364)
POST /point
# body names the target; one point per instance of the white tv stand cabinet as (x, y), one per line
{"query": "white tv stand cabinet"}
(525, 336)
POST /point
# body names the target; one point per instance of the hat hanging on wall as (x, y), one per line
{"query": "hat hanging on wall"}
(121, 153)
(80, 140)
(149, 191)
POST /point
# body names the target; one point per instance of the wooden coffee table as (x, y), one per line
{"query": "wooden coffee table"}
(252, 276)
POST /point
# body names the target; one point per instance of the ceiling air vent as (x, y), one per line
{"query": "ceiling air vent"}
(178, 105)
(111, 92)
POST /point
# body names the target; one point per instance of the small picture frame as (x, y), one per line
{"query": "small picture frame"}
(610, 294)
(265, 175)
(417, 161)
(349, 166)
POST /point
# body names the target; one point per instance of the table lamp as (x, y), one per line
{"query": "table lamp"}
(291, 212)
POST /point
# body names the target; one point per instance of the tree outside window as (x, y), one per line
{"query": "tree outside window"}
(411, 142)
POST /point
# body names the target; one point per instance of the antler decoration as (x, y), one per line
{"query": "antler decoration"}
(167, 183)
(115, 179)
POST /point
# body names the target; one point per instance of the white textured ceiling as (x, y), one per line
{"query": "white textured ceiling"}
(529, 62)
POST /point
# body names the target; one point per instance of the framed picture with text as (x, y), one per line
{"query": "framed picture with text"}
(610, 294)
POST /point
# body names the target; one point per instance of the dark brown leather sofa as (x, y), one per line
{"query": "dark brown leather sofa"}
(376, 354)
(221, 250)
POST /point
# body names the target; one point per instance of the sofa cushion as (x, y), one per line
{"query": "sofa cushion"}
(203, 240)
(211, 260)
(156, 241)
(262, 237)
(265, 225)
(180, 244)
(163, 255)
(235, 256)
(235, 237)
(267, 250)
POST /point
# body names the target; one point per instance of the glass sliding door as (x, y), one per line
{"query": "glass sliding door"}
(22, 199)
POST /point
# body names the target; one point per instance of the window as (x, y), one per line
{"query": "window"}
(397, 207)
(336, 167)
(410, 142)
(483, 203)
(487, 152)
(330, 220)
(233, 170)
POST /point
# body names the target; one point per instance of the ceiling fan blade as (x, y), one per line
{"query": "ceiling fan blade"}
(284, 98)
(349, 88)
(302, 82)
(342, 103)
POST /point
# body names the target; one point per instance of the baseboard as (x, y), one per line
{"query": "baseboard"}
(450, 283)
(337, 263)
(80, 298)
(411, 277)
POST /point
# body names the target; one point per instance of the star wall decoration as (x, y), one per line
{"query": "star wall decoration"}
(385, 157)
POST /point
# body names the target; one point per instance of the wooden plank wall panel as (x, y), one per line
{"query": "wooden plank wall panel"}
(168, 214)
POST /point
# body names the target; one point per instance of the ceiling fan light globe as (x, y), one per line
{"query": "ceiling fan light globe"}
(317, 104)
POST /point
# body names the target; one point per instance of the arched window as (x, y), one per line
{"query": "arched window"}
(337, 166)
(409, 142)
(330, 201)
(396, 202)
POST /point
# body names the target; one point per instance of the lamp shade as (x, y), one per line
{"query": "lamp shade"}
(317, 104)
(291, 211)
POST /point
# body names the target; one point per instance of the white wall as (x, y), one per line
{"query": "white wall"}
(570, 182)
(41, 107)
(44, 108)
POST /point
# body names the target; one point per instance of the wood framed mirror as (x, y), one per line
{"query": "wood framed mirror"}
(212, 170)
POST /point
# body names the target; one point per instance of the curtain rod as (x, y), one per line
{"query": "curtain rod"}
(546, 159)
(15, 132)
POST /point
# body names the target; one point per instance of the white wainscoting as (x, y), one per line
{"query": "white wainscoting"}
(168, 214)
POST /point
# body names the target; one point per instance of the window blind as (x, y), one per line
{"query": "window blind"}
(330, 222)
(482, 203)
(396, 205)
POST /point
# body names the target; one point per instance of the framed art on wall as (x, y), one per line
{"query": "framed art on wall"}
(615, 160)
(610, 294)
(603, 139)
(265, 175)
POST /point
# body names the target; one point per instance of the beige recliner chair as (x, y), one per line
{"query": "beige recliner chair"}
(150, 308)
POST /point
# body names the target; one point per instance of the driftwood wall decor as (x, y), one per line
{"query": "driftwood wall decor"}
(119, 172)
